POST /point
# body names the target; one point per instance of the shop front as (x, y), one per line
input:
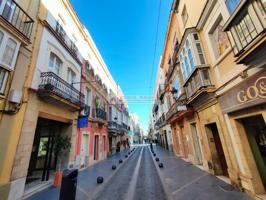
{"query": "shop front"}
(244, 107)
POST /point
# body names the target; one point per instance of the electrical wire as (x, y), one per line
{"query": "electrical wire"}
(156, 42)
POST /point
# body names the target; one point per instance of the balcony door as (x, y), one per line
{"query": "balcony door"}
(85, 150)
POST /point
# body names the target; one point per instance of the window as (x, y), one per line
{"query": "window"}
(191, 60)
(219, 40)
(55, 64)
(187, 60)
(97, 102)
(3, 79)
(9, 52)
(262, 7)
(201, 57)
(1, 36)
(176, 86)
(103, 106)
(184, 16)
(246, 30)
(8, 11)
(231, 5)
(191, 55)
(87, 96)
(71, 76)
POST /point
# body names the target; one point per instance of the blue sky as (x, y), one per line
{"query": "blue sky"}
(124, 32)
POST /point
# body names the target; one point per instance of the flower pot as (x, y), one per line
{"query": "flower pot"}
(58, 178)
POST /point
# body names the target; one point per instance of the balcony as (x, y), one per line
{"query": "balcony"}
(160, 122)
(198, 82)
(112, 125)
(55, 89)
(15, 16)
(161, 91)
(87, 110)
(124, 127)
(247, 27)
(99, 114)
(179, 105)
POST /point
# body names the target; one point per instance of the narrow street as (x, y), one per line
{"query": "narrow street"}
(138, 178)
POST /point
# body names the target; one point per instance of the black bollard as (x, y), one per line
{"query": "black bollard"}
(120, 161)
(157, 159)
(99, 179)
(161, 165)
(113, 167)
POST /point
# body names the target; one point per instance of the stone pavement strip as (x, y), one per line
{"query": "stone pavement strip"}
(87, 185)
(183, 181)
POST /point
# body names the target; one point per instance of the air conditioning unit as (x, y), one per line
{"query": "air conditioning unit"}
(15, 96)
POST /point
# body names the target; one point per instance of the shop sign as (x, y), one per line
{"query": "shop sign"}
(249, 93)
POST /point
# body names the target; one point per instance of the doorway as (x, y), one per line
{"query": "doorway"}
(184, 141)
(166, 141)
(43, 160)
(219, 161)
(104, 147)
(96, 147)
(85, 150)
(256, 133)
(196, 144)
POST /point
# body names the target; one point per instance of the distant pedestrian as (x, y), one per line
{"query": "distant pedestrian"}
(151, 146)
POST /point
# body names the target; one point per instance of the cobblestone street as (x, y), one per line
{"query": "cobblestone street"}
(139, 178)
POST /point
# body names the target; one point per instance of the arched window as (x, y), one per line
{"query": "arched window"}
(55, 64)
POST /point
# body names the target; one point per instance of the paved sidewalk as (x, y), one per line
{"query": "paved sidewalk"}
(87, 184)
(184, 181)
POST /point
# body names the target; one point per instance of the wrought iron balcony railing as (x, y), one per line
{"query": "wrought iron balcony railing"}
(54, 85)
(87, 110)
(16, 16)
(66, 41)
(112, 125)
(160, 122)
(199, 79)
(175, 107)
(99, 113)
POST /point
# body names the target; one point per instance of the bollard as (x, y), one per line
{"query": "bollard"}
(125, 156)
(157, 159)
(154, 154)
(99, 179)
(113, 167)
(120, 161)
(161, 165)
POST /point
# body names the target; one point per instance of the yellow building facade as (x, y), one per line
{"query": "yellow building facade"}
(216, 88)
(17, 33)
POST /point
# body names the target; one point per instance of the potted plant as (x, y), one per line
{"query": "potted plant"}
(61, 147)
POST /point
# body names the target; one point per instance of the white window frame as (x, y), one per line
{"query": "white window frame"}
(88, 96)
(195, 55)
(52, 68)
(73, 75)
(3, 45)
(3, 85)
(184, 15)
